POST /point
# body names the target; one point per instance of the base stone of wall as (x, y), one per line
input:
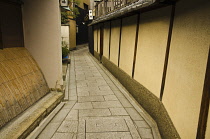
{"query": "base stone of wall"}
(21, 83)
(96, 55)
(146, 99)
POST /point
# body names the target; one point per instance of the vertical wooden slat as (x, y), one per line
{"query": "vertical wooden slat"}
(204, 108)
(97, 37)
(167, 51)
(120, 42)
(101, 40)
(110, 30)
(136, 43)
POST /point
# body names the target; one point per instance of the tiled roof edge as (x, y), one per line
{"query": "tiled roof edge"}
(129, 8)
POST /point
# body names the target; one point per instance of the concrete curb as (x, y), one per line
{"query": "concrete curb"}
(21, 126)
(35, 133)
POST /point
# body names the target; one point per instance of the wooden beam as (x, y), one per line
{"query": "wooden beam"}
(120, 42)
(204, 108)
(136, 44)
(167, 51)
(110, 30)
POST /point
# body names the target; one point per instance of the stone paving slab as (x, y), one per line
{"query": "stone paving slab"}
(106, 124)
(90, 98)
(94, 112)
(100, 109)
(109, 135)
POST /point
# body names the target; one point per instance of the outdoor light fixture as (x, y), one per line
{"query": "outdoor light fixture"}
(63, 3)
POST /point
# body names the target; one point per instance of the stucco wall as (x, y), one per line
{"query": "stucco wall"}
(127, 46)
(151, 48)
(98, 38)
(42, 34)
(187, 65)
(106, 39)
(114, 44)
(95, 35)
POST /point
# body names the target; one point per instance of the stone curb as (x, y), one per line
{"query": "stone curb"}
(136, 105)
(21, 126)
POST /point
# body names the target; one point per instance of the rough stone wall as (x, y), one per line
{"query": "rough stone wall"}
(21, 83)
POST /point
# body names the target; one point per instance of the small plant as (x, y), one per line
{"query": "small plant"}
(72, 14)
(65, 51)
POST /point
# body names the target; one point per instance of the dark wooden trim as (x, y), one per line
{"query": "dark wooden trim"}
(136, 43)
(101, 41)
(110, 34)
(120, 42)
(204, 108)
(97, 37)
(167, 51)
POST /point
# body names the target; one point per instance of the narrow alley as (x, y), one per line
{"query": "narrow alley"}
(98, 107)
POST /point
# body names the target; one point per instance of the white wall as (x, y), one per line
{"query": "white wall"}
(65, 34)
(42, 34)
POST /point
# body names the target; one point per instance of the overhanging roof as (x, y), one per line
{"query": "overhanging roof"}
(141, 5)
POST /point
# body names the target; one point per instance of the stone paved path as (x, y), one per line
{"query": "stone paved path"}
(96, 107)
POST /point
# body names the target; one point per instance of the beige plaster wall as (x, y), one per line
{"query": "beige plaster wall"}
(127, 46)
(72, 34)
(152, 41)
(106, 39)
(95, 33)
(187, 65)
(42, 34)
(98, 38)
(114, 44)
(208, 127)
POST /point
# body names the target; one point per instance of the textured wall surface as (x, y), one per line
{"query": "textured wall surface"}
(152, 42)
(98, 38)
(127, 46)
(187, 65)
(95, 32)
(114, 44)
(106, 39)
(21, 83)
